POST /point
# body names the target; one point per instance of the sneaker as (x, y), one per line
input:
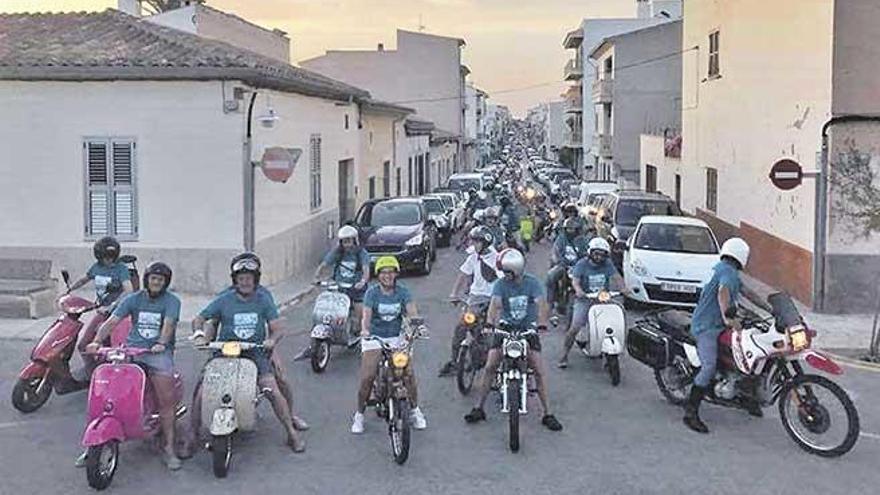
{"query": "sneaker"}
(357, 423)
(475, 415)
(562, 364)
(80, 461)
(551, 422)
(417, 419)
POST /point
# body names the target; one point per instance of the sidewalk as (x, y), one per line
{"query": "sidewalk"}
(834, 331)
(287, 293)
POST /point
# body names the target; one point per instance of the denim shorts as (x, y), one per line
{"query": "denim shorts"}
(161, 363)
(356, 295)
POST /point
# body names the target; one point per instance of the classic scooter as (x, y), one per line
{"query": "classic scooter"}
(49, 366)
(606, 335)
(230, 396)
(122, 406)
(332, 324)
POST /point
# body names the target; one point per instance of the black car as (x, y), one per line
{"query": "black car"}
(620, 212)
(400, 227)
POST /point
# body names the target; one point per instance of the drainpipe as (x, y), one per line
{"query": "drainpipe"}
(820, 239)
(394, 145)
(248, 182)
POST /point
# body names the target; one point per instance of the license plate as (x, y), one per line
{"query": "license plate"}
(681, 288)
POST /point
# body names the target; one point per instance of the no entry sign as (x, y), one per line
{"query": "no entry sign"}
(786, 174)
(278, 163)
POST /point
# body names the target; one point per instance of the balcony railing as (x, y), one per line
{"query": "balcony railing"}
(573, 139)
(602, 144)
(603, 90)
(574, 70)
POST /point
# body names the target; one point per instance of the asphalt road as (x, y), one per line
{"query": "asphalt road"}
(623, 440)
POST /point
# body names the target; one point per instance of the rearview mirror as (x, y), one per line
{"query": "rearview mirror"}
(65, 275)
(621, 246)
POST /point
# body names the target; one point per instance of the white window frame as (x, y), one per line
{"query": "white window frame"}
(110, 188)
(715, 54)
(315, 199)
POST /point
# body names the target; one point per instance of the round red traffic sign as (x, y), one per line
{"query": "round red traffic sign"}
(786, 174)
(278, 163)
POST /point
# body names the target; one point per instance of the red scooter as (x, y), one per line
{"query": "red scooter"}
(122, 406)
(49, 365)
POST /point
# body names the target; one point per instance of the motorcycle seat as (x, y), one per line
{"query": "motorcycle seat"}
(677, 324)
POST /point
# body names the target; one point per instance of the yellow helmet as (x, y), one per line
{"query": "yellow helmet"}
(386, 262)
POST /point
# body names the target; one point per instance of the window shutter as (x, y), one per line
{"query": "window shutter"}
(97, 188)
(123, 188)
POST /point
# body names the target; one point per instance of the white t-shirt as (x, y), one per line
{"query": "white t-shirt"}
(471, 266)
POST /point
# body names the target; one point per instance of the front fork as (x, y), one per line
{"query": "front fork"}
(508, 375)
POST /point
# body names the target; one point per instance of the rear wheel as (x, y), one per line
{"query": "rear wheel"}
(513, 396)
(221, 453)
(101, 462)
(674, 380)
(612, 364)
(29, 394)
(398, 429)
(819, 415)
(467, 368)
(320, 355)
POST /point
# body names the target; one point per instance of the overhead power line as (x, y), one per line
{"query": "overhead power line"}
(548, 83)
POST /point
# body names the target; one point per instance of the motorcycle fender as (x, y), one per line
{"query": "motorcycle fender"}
(513, 375)
(321, 332)
(224, 422)
(691, 353)
(612, 346)
(34, 369)
(822, 362)
(102, 430)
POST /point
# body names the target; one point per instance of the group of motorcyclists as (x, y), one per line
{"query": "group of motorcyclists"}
(492, 281)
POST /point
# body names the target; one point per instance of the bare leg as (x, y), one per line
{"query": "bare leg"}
(369, 364)
(537, 365)
(492, 362)
(282, 411)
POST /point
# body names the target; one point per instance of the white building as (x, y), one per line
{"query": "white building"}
(554, 129)
(637, 90)
(750, 101)
(424, 72)
(476, 141)
(581, 119)
(145, 136)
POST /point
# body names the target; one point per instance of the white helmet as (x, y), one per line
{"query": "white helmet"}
(737, 249)
(511, 260)
(598, 243)
(347, 232)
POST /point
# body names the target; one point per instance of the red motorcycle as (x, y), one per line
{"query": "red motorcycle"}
(49, 365)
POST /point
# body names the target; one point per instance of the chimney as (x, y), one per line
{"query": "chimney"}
(130, 7)
(381, 47)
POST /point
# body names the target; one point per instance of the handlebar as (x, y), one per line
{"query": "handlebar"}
(595, 295)
(216, 346)
(122, 351)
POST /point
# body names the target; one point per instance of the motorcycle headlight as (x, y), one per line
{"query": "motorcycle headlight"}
(604, 297)
(400, 360)
(415, 241)
(514, 349)
(798, 337)
(639, 268)
(469, 318)
(231, 349)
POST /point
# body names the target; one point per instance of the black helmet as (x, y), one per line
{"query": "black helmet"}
(158, 268)
(569, 209)
(482, 234)
(106, 247)
(572, 226)
(246, 262)
(505, 201)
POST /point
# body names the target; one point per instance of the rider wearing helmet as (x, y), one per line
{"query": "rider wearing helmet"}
(569, 247)
(351, 267)
(711, 317)
(518, 299)
(247, 315)
(479, 272)
(154, 313)
(492, 219)
(595, 273)
(386, 304)
(112, 280)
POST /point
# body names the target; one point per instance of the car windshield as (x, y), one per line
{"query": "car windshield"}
(447, 201)
(391, 213)
(691, 239)
(463, 183)
(434, 206)
(630, 212)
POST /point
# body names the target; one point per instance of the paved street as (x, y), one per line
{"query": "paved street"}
(616, 440)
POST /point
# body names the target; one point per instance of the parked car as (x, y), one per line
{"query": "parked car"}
(593, 188)
(399, 227)
(438, 213)
(621, 211)
(669, 259)
(455, 208)
(463, 182)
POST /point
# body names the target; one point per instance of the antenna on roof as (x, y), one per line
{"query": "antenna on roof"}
(422, 26)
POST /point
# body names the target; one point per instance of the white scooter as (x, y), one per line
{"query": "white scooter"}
(605, 334)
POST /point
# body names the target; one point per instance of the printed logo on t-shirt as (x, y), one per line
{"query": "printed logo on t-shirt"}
(596, 282)
(570, 253)
(519, 307)
(101, 284)
(388, 311)
(149, 324)
(347, 270)
(244, 325)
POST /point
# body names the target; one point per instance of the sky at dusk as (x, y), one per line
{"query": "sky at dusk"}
(510, 43)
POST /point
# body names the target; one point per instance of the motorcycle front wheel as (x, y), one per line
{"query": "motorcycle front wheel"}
(320, 355)
(29, 394)
(221, 454)
(101, 463)
(466, 370)
(819, 415)
(513, 396)
(398, 429)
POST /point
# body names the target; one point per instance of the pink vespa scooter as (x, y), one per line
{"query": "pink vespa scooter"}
(122, 406)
